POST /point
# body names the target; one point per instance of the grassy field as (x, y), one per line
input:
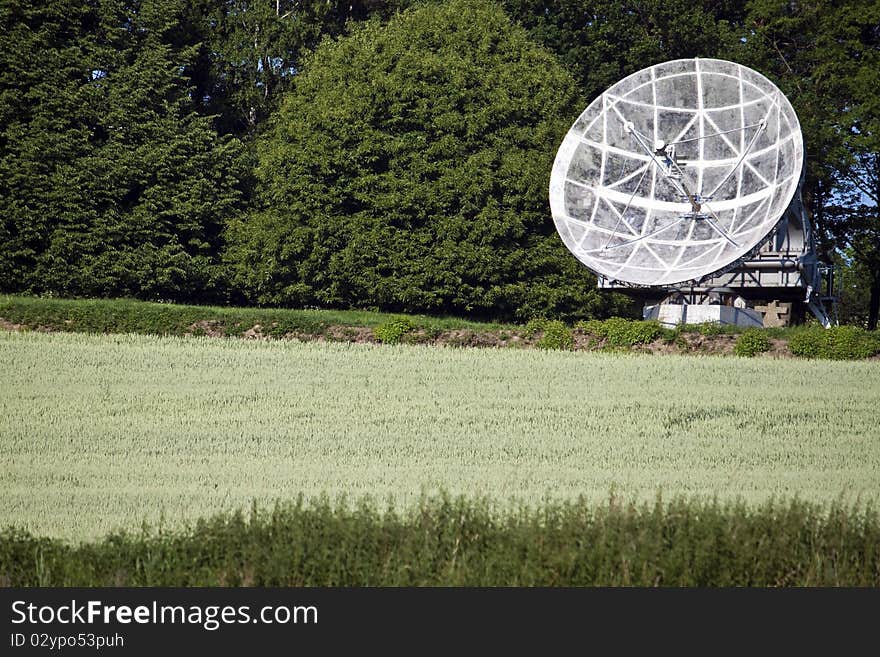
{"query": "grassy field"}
(104, 432)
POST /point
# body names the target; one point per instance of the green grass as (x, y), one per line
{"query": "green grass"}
(131, 316)
(104, 432)
(443, 541)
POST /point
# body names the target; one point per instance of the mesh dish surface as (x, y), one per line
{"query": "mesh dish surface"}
(676, 171)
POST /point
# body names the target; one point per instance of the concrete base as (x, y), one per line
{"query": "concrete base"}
(671, 315)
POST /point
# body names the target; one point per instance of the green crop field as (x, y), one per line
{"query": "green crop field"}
(106, 432)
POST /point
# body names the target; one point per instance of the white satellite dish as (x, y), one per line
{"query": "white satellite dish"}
(676, 171)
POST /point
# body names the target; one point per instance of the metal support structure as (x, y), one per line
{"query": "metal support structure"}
(781, 275)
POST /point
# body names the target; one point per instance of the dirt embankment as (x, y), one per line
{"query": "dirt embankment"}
(682, 343)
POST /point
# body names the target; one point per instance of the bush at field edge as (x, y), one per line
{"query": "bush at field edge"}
(446, 541)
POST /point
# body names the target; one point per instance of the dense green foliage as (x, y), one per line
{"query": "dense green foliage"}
(551, 334)
(621, 332)
(455, 542)
(602, 41)
(837, 343)
(129, 133)
(751, 342)
(554, 334)
(110, 182)
(408, 169)
(393, 330)
(248, 52)
(150, 318)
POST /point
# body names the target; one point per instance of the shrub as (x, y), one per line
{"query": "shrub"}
(708, 328)
(808, 343)
(836, 343)
(592, 326)
(620, 332)
(556, 336)
(643, 332)
(751, 342)
(393, 330)
(534, 327)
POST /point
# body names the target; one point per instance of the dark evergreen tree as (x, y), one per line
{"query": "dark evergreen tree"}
(50, 112)
(113, 185)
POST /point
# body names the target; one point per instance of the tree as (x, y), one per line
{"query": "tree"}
(850, 44)
(408, 170)
(112, 184)
(780, 38)
(854, 283)
(248, 51)
(826, 56)
(602, 41)
(47, 114)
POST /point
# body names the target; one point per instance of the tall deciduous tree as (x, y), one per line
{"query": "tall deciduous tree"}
(849, 55)
(779, 39)
(248, 51)
(408, 170)
(601, 41)
(826, 56)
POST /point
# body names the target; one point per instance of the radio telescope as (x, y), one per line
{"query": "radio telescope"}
(682, 181)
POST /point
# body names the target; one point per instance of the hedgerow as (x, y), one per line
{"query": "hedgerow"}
(836, 343)
(455, 542)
